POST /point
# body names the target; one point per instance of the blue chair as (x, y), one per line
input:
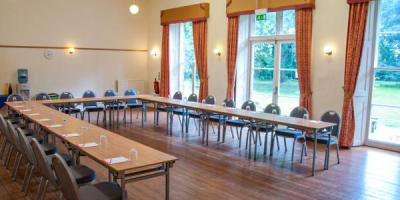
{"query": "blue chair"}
(162, 108)
(329, 136)
(221, 119)
(71, 108)
(113, 106)
(42, 97)
(14, 97)
(298, 112)
(265, 127)
(90, 107)
(241, 123)
(132, 104)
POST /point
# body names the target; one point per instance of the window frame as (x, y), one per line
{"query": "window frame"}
(277, 40)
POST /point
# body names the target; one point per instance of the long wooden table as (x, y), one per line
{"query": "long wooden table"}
(147, 164)
(309, 126)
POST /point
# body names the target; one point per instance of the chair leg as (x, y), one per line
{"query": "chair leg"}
(28, 182)
(16, 166)
(8, 161)
(89, 117)
(240, 137)
(277, 142)
(265, 142)
(44, 191)
(294, 145)
(39, 191)
(98, 116)
(284, 141)
(337, 153)
(302, 151)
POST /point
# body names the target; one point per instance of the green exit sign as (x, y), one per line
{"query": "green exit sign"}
(261, 17)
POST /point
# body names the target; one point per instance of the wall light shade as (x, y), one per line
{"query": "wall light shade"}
(134, 9)
(328, 50)
(71, 50)
(217, 51)
(155, 52)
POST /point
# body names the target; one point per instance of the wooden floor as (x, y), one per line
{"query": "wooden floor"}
(222, 171)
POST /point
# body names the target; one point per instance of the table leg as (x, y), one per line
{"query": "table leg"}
(143, 110)
(167, 182)
(123, 187)
(255, 143)
(315, 152)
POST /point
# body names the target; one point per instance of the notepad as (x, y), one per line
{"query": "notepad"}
(26, 110)
(34, 114)
(44, 120)
(55, 126)
(116, 160)
(70, 135)
(314, 121)
(87, 145)
(19, 106)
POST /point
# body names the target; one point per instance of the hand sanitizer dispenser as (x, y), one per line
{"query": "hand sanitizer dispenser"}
(23, 87)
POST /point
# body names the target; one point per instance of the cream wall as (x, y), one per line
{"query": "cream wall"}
(330, 27)
(88, 23)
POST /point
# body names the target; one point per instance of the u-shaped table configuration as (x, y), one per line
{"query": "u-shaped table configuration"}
(150, 162)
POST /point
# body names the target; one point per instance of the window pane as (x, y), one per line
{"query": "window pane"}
(288, 56)
(266, 27)
(288, 23)
(188, 59)
(288, 91)
(264, 55)
(385, 109)
(389, 33)
(262, 87)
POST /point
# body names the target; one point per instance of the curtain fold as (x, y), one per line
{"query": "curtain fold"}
(358, 13)
(233, 34)
(164, 83)
(200, 49)
(303, 55)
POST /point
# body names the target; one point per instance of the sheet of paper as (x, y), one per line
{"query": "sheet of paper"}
(44, 120)
(19, 106)
(116, 160)
(87, 145)
(55, 126)
(26, 110)
(71, 135)
(34, 114)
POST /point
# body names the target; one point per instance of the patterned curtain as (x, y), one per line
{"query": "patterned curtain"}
(303, 55)
(358, 13)
(200, 49)
(233, 34)
(164, 83)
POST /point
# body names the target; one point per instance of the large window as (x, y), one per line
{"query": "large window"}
(385, 101)
(183, 76)
(272, 71)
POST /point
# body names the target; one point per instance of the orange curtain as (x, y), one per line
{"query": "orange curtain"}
(303, 55)
(200, 49)
(233, 33)
(358, 14)
(164, 83)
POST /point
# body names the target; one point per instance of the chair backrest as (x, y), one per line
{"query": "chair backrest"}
(14, 97)
(13, 136)
(210, 100)
(229, 103)
(26, 147)
(66, 95)
(4, 127)
(249, 104)
(65, 179)
(192, 98)
(110, 93)
(177, 96)
(42, 162)
(42, 96)
(271, 107)
(131, 92)
(299, 112)
(89, 94)
(332, 117)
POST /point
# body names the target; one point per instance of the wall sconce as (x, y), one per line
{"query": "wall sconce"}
(155, 52)
(71, 50)
(328, 50)
(217, 51)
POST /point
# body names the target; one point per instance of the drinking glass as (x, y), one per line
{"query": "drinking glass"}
(133, 155)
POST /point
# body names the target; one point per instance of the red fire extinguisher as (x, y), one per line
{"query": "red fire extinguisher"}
(156, 86)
